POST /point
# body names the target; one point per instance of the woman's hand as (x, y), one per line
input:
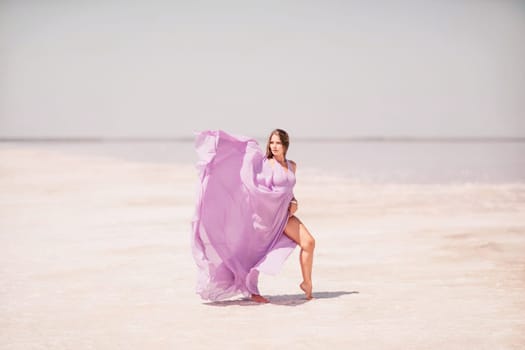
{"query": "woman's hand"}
(292, 208)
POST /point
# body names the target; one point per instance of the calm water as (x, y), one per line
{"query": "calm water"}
(398, 162)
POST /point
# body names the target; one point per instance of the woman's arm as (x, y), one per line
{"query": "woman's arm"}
(294, 205)
(292, 208)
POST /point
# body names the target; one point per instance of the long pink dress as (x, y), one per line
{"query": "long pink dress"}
(241, 212)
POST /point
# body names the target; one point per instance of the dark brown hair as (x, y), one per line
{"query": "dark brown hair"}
(285, 140)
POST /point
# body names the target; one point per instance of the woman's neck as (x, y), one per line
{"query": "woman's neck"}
(279, 159)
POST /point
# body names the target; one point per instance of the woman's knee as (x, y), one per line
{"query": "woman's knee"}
(308, 243)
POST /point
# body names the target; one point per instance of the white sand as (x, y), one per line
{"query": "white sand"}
(95, 254)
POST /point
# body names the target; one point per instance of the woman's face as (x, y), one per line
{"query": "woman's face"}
(276, 146)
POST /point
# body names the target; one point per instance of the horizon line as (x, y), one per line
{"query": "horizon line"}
(116, 139)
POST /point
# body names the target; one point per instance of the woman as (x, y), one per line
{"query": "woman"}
(244, 220)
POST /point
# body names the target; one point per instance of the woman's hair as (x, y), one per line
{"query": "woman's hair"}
(285, 140)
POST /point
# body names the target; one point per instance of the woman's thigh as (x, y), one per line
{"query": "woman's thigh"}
(297, 232)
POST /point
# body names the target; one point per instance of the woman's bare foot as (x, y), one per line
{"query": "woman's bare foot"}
(259, 298)
(307, 289)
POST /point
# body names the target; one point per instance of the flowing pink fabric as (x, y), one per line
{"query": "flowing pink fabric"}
(241, 212)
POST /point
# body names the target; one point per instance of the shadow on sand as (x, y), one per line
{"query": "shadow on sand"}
(285, 299)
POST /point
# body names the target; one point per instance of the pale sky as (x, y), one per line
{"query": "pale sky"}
(315, 68)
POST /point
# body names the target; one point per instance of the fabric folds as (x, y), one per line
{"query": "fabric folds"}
(240, 215)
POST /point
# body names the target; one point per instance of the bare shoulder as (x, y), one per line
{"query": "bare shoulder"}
(293, 165)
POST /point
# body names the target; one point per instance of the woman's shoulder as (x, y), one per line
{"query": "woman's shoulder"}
(293, 164)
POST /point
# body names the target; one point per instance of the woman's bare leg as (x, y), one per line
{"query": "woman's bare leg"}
(296, 230)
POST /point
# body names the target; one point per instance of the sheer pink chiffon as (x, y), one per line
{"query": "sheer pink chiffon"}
(240, 215)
